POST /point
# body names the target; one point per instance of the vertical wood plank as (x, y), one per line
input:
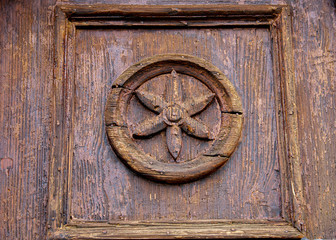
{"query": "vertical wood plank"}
(315, 71)
(26, 50)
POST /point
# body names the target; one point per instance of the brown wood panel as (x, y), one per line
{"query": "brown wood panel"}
(180, 230)
(177, 2)
(26, 72)
(315, 64)
(247, 187)
(26, 45)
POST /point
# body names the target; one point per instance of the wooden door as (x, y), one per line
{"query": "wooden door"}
(173, 90)
(159, 122)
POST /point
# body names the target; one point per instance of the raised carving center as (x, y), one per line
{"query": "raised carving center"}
(149, 104)
(174, 113)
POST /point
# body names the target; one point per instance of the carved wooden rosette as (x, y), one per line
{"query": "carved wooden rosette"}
(174, 116)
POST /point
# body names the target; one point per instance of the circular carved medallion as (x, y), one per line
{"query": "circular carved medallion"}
(173, 118)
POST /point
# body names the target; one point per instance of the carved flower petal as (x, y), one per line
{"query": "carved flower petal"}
(174, 140)
(174, 89)
(154, 102)
(149, 126)
(196, 105)
(196, 128)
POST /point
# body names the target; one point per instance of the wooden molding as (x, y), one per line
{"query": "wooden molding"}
(214, 229)
(71, 17)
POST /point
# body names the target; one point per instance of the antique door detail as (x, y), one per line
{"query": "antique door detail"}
(174, 115)
(193, 99)
(134, 109)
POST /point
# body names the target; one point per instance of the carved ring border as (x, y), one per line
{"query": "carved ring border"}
(204, 164)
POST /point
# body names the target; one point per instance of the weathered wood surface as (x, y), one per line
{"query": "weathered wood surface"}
(247, 187)
(315, 68)
(179, 230)
(26, 67)
(149, 10)
(216, 124)
(25, 78)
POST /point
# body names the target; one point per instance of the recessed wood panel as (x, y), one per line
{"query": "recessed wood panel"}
(247, 187)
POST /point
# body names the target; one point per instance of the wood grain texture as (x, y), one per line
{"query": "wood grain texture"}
(26, 45)
(248, 187)
(26, 70)
(179, 230)
(315, 68)
(290, 166)
(177, 2)
(139, 95)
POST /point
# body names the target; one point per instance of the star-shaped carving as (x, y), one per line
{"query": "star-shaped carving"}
(173, 115)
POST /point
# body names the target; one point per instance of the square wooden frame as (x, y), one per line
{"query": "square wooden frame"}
(276, 18)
